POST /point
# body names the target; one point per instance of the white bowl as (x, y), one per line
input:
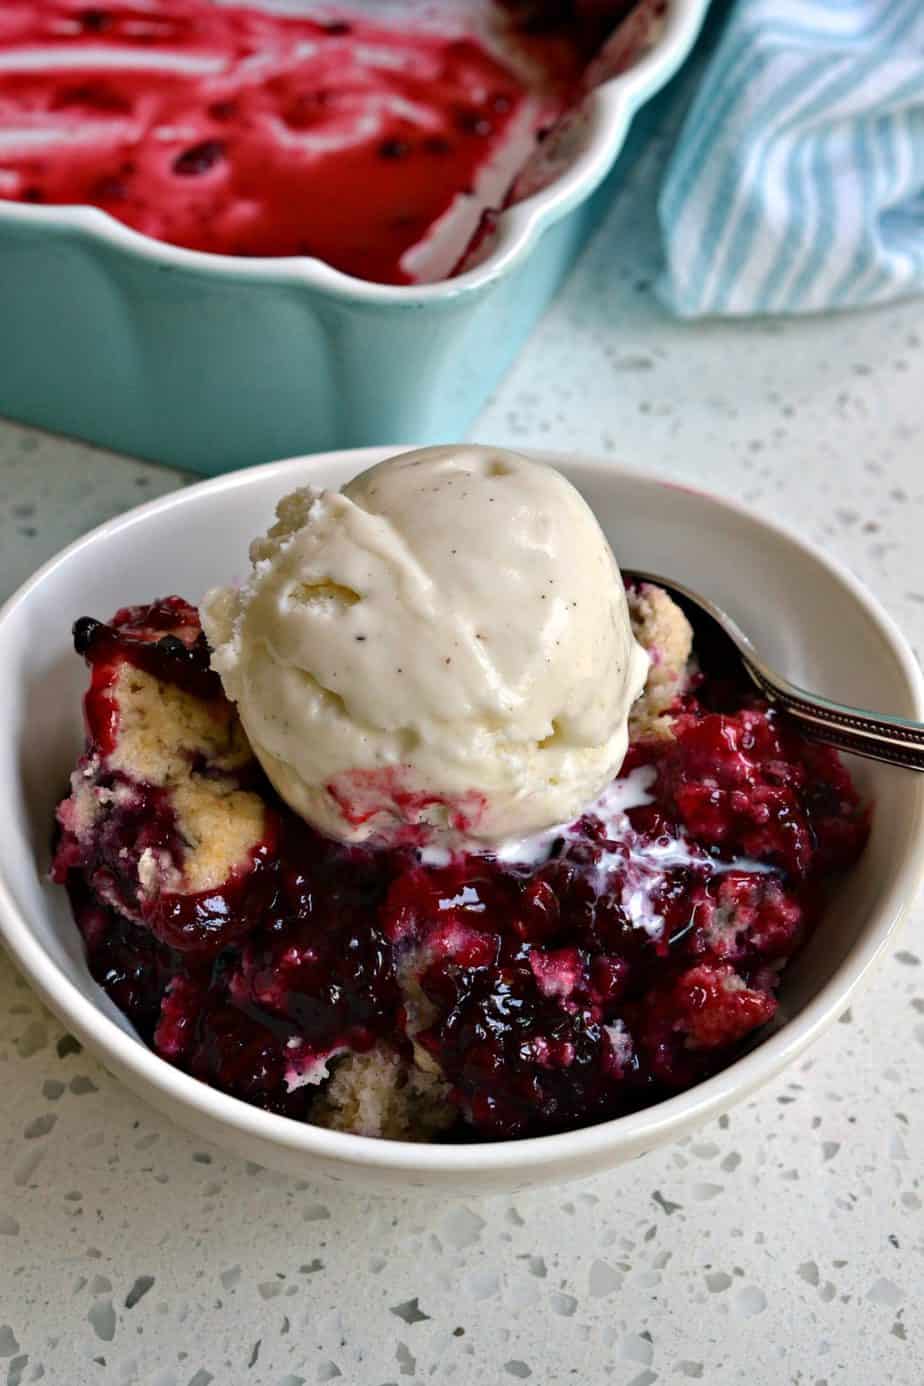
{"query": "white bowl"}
(810, 616)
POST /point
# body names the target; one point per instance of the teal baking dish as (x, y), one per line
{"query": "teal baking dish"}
(213, 362)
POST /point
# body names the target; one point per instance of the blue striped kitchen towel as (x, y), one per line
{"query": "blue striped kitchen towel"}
(798, 181)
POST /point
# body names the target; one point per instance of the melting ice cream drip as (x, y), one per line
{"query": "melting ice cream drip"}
(640, 862)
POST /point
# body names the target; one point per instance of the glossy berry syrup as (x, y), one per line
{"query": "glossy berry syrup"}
(592, 971)
(242, 131)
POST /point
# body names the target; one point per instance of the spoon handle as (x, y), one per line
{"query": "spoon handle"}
(876, 736)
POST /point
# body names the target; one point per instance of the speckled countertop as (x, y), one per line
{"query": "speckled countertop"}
(783, 1244)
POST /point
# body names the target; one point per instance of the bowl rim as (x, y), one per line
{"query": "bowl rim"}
(630, 1133)
(610, 108)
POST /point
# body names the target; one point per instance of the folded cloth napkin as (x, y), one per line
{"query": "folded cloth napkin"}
(798, 181)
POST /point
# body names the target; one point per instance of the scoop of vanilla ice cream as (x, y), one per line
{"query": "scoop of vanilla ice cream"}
(441, 651)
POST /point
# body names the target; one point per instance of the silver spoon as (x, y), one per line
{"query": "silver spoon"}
(876, 735)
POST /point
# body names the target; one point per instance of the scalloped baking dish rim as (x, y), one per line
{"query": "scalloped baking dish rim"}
(609, 108)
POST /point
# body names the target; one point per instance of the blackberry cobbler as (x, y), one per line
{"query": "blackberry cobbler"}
(405, 994)
(382, 143)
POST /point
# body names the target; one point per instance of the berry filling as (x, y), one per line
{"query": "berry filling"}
(556, 983)
(244, 131)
